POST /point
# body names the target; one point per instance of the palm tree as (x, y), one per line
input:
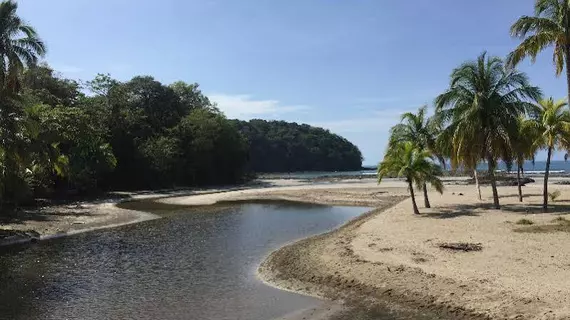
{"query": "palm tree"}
(524, 146)
(20, 46)
(421, 131)
(481, 106)
(549, 27)
(554, 125)
(405, 160)
(465, 155)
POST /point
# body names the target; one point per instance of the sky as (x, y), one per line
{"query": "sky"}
(352, 67)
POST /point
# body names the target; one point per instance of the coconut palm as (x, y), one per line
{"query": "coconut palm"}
(481, 106)
(553, 124)
(420, 130)
(549, 27)
(406, 160)
(463, 155)
(20, 46)
(524, 144)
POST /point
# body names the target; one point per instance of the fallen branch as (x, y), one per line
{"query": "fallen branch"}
(461, 246)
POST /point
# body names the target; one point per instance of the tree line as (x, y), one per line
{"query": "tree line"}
(490, 112)
(60, 137)
(279, 146)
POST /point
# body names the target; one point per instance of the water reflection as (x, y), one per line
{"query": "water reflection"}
(197, 265)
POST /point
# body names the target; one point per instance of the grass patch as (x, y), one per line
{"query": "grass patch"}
(559, 224)
(525, 222)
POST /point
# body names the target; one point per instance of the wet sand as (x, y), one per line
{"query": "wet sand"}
(390, 259)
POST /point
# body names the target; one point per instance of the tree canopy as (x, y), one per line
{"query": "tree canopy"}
(279, 146)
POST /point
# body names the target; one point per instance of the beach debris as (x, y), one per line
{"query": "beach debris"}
(461, 246)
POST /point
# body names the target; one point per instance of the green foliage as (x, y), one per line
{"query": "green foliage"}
(480, 109)
(406, 160)
(20, 46)
(548, 28)
(279, 146)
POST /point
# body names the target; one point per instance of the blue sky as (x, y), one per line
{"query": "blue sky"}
(350, 66)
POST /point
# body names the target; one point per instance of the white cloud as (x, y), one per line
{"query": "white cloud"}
(245, 107)
(63, 68)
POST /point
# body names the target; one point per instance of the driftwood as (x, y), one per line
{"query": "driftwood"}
(461, 246)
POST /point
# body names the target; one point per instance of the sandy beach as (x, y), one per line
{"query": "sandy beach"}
(394, 257)
(396, 260)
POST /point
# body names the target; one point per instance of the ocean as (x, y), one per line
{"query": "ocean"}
(556, 167)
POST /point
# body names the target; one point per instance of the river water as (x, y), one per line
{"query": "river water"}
(188, 265)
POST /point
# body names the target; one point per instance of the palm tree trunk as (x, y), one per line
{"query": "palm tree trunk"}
(568, 71)
(567, 49)
(426, 199)
(476, 176)
(491, 163)
(519, 169)
(416, 211)
(546, 172)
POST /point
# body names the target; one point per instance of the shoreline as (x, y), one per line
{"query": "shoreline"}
(390, 260)
(292, 268)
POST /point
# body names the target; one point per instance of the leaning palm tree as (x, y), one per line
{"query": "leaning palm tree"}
(405, 160)
(554, 125)
(421, 131)
(20, 46)
(524, 144)
(481, 108)
(549, 27)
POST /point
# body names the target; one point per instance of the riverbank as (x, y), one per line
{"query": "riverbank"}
(397, 260)
(59, 220)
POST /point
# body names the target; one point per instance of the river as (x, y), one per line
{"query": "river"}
(189, 265)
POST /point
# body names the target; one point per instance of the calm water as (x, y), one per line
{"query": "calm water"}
(198, 265)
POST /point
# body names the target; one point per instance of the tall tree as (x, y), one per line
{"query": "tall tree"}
(549, 27)
(482, 105)
(421, 131)
(20, 46)
(406, 160)
(554, 125)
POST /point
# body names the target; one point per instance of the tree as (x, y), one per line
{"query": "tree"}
(421, 131)
(464, 154)
(482, 105)
(553, 124)
(524, 146)
(20, 46)
(549, 27)
(279, 146)
(406, 160)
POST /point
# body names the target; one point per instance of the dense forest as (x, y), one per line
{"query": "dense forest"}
(60, 136)
(279, 146)
(107, 134)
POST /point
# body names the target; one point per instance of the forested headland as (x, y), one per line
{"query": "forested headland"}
(61, 137)
(279, 146)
